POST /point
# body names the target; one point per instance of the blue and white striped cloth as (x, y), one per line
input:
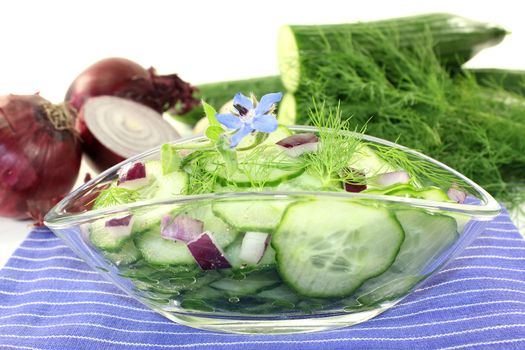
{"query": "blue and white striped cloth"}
(50, 299)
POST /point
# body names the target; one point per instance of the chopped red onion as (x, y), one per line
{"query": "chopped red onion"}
(133, 176)
(253, 246)
(298, 144)
(180, 228)
(207, 253)
(355, 187)
(456, 195)
(395, 177)
(120, 226)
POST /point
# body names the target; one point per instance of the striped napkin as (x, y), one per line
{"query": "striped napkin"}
(50, 299)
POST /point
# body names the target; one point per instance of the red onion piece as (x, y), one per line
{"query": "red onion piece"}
(120, 226)
(253, 246)
(113, 129)
(133, 176)
(207, 253)
(180, 228)
(39, 155)
(355, 187)
(394, 177)
(124, 78)
(456, 195)
(298, 144)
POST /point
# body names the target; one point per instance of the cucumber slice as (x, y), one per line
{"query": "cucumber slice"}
(250, 285)
(159, 251)
(104, 239)
(279, 293)
(406, 190)
(164, 186)
(251, 141)
(263, 166)
(128, 254)
(233, 251)
(332, 258)
(251, 215)
(426, 236)
(365, 159)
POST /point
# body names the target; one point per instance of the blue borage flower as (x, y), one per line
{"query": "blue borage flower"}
(246, 117)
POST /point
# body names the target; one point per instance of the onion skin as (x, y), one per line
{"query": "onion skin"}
(124, 78)
(39, 156)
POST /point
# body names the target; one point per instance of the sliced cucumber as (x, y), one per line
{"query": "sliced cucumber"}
(279, 293)
(334, 256)
(263, 166)
(426, 236)
(159, 251)
(105, 239)
(365, 159)
(406, 190)
(251, 140)
(164, 186)
(259, 215)
(250, 285)
(128, 254)
(233, 252)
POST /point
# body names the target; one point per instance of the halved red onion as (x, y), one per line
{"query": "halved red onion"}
(394, 177)
(298, 144)
(253, 246)
(207, 253)
(133, 176)
(113, 129)
(180, 228)
(456, 195)
(120, 226)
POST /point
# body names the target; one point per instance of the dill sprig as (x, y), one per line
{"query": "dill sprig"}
(113, 196)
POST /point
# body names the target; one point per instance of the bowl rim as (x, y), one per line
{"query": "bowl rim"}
(56, 217)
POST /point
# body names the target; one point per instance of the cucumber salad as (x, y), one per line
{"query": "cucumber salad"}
(297, 221)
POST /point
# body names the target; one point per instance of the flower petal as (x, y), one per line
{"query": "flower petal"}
(238, 136)
(229, 120)
(243, 101)
(267, 101)
(265, 123)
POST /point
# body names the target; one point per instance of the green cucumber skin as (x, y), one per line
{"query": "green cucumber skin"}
(217, 94)
(508, 79)
(457, 38)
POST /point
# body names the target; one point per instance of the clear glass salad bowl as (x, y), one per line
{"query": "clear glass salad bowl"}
(278, 258)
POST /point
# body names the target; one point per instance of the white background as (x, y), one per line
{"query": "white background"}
(45, 44)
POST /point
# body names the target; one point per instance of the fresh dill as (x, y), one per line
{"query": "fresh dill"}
(113, 196)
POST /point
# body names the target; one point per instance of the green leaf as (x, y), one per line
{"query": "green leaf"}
(213, 132)
(170, 159)
(210, 113)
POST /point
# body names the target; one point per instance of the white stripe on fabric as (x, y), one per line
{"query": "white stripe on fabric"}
(494, 342)
(494, 229)
(501, 238)
(446, 308)
(50, 239)
(19, 347)
(69, 291)
(494, 247)
(473, 267)
(312, 341)
(56, 257)
(76, 303)
(87, 314)
(43, 248)
(470, 279)
(483, 290)
(50, 268)
(489, 257)
(53, 279)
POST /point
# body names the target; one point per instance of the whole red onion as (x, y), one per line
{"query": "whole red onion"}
(121, 77)
(39, 155)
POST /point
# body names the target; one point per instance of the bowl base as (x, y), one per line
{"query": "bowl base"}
(275, 326)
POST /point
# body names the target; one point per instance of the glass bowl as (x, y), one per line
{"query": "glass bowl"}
(335, 258)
